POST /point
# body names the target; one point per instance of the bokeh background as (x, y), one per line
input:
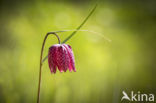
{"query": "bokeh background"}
(104, 69)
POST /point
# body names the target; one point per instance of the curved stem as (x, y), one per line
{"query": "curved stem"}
(40, 69)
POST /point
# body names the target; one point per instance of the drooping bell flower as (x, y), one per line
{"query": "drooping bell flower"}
(61, 56)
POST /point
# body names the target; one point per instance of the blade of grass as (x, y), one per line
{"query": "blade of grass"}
(78, 28)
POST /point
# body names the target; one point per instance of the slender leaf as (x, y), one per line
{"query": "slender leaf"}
(79, 27)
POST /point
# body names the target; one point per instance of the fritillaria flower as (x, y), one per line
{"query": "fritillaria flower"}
(61, 56)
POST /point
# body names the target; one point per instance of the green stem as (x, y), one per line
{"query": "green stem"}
(40, 69)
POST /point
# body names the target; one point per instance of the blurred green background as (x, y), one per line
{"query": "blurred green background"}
(104, 69)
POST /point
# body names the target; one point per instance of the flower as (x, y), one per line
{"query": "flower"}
(61, 56)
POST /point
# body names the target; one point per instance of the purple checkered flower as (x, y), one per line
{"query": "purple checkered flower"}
(61, 56)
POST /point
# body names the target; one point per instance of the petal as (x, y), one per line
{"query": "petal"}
(62, 59)
(51, 59)
(66, 57)
(71, 58)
